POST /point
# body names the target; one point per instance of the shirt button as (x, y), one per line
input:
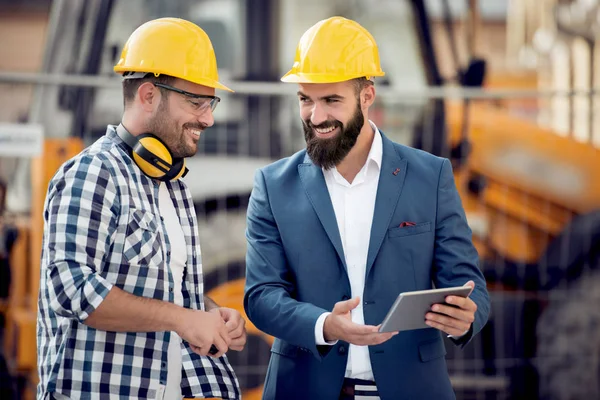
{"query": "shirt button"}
(171, 289)
(342, 350)
(164, 364)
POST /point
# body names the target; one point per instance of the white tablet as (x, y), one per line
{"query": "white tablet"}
(409, 309)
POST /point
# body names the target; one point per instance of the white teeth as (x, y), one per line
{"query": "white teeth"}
(196, 132)
(325, 130)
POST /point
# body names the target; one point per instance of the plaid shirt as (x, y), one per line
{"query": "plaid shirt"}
(103, 229)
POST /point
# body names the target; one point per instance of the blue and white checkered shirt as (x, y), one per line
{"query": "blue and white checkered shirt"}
(103, 229)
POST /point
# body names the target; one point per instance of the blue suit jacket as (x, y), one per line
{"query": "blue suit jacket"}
(296, 271)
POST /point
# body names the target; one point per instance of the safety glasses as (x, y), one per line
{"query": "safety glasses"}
(199, 102)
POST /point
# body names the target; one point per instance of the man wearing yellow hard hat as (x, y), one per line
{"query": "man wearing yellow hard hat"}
(337, 231)
(122, 313)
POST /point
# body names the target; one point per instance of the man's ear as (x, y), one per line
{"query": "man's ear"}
(367, 96)
(149, 96)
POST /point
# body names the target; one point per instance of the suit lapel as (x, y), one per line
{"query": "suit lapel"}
(391, 181)
(316, 189)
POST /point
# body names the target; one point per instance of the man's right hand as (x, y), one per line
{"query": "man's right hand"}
(203, 329)
(339, 326)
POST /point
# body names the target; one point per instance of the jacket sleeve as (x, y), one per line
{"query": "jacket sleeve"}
(268, 300)
(455, 258)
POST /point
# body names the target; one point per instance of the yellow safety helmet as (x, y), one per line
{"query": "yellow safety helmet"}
(335, 50)
(174, 47)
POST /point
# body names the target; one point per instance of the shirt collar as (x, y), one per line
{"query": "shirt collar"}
(376, 152)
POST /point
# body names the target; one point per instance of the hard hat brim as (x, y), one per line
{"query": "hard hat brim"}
(200, 81)
(218, 85)
(297, 77)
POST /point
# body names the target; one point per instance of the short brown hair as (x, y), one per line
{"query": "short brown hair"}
(361, 83)
(131, 86)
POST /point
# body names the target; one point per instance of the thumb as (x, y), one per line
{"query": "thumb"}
(343, 307)
(471, 284)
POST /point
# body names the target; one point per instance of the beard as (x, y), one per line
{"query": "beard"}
(163, 126)
(327, 153)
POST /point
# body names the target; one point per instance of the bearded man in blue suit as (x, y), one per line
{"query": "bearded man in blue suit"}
(337, 231)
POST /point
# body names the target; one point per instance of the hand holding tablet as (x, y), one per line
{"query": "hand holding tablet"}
(413, 310)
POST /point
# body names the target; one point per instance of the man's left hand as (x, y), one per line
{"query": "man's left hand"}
(455, 320)
(236, 326)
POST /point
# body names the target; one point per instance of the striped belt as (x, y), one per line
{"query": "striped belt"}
(358, 389)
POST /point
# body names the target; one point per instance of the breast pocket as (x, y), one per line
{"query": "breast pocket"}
(143, 244)
(423, 227)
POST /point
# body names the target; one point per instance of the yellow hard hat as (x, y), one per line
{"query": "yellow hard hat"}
(335, 50)
(174, 47)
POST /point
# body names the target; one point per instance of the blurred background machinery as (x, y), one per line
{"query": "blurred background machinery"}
(506, 89)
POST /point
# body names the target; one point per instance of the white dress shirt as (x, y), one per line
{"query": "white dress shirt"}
(177, 265)
(354, 205)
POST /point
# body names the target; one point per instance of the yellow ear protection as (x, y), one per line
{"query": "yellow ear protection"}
(152, 156)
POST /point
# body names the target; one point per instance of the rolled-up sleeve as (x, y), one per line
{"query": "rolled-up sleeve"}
(81, 214)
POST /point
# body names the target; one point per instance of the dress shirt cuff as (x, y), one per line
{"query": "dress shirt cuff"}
(459, 336)
(319, 337)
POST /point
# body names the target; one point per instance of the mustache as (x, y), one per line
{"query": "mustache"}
(324, 125)
(198, 126)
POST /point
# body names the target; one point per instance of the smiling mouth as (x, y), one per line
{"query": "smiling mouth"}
(195, 132)
(325, 132)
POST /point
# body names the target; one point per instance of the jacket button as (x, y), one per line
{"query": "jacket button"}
(342, 349)
(345, 297)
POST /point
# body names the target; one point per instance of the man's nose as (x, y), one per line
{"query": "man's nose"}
(207, 118)
(318, 115)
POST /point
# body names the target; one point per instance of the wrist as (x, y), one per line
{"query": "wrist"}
(209, 304)
(175, 317)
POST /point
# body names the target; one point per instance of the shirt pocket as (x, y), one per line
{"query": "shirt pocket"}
(409, 230)
(143, 244)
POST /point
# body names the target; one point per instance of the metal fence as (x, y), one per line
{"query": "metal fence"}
(531, 193)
